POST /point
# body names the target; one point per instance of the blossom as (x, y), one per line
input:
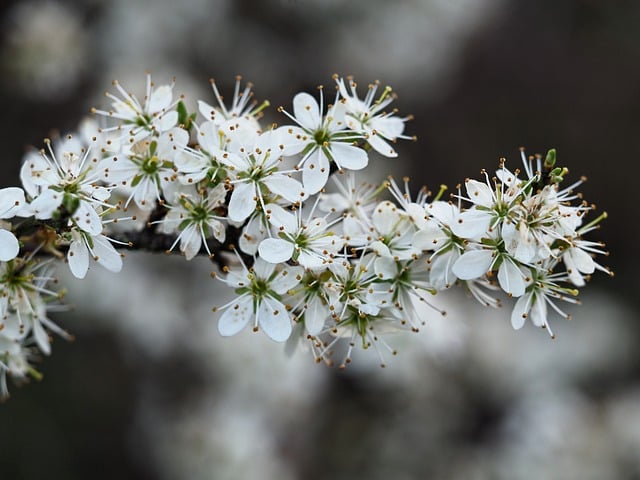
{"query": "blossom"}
(68, 178)
(260, 293)
(147, 169)
(542, 289)
(256, 175)
(367, 116)
(195, 216)
(140, 120)
(308, 242)
(84, 246)
(12, 201)
(237, 124)
(321, 139)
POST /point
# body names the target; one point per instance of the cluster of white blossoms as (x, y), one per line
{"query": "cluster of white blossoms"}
(306, 266)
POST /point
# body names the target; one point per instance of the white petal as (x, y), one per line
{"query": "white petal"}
(582, 260)
(88, 219)
(9, 246)
(279, 217)
(349, 156)
(315, 172)
(429, 237)
(472, 224)
(190, 241)
(385, 218)
(252, 234)
(287, 279)
(275, 250)
(306, 111)
(243, 202)
(160, 98)
(263, 269)
(479, 193)
(11, 201)
(520, 312)
(315, 314)
(78, 258)
(538, 314)
(287, 187)
(511, 278)
(46, 203)
(42, 337)
(167, 121)
(441, 275)
(106, 255)
(385, 268)
(236, 317)
(380, 145)
(473, 264)
(274, 319)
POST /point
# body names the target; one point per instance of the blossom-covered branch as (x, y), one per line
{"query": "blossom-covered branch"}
(314, 255)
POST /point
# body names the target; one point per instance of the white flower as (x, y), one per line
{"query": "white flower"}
(474, 264)
(141, 120)
(393, 232)
(194, 214)
(359, 200)
(84, 246)
(237, 124)
(309, 242)
(321, 139)
(147, 169)
(368, 117)
(542, 290)
(12, 202)
(68, 177)
(260, 293)
(204, 162)
(256, 174)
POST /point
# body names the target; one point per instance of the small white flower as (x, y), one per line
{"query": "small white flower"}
(309, 242)
(194, 215)
(84, 246)
(238, 124)
(141, 120)
(256, 175)
(321, 139)
(542, 290)
(68, 177)
(148, 169)
(260, 293)
(367, 116)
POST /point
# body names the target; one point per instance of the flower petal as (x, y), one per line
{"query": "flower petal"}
(106, 255)
(473, 264)
(511, 278)
(306, 111)
(9, 246)
(349, 156)
(274, 319)
(275, 250)
(78, 257)
(243, 202)
(236, 317)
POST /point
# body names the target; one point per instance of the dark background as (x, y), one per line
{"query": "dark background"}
(563, 74)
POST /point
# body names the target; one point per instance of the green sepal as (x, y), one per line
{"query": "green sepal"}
(70, 203)
(136, 180)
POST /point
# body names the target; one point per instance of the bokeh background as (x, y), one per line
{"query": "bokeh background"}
(149, 390)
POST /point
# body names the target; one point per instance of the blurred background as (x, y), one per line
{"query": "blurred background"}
(150, 391)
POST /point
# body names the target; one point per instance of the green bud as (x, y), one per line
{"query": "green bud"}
(550, 159)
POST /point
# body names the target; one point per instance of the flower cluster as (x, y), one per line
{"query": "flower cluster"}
(313, 255)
